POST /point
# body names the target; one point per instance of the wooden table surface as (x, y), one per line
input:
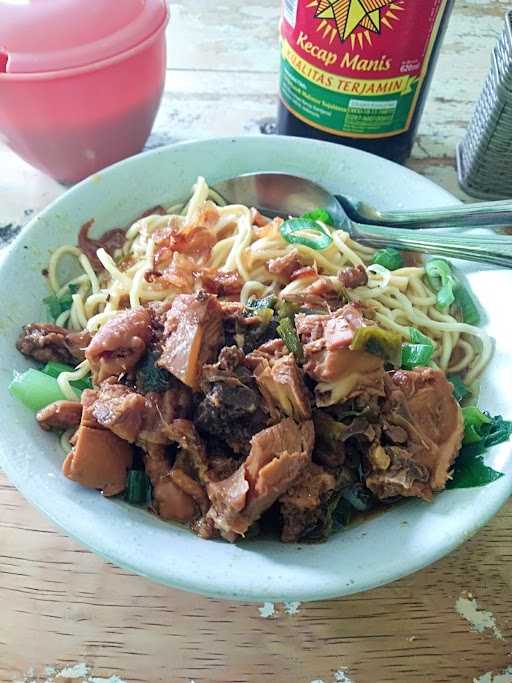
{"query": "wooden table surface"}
(66, 615)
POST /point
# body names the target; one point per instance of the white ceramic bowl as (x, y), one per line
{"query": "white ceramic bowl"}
(380, 550)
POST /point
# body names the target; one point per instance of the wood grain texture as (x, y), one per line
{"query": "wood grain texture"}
(60, 605)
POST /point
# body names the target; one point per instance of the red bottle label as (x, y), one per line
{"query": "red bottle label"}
(355, 68)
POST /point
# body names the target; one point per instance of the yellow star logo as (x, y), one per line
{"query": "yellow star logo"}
(349, 15)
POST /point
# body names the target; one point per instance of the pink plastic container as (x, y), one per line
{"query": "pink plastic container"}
(80, 80)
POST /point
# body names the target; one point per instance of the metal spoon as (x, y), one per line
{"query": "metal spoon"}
(280, 194)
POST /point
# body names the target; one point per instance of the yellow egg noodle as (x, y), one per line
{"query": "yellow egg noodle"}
(400, 298)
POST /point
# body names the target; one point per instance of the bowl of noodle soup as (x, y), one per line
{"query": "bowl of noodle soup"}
(370, 552)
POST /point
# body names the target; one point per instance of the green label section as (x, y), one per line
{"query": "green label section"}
(341, 113)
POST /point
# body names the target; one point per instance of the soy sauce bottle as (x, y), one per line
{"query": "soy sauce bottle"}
(357, 72)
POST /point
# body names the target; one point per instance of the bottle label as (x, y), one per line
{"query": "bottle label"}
(355, 68)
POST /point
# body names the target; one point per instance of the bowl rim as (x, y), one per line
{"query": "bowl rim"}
(199, 584)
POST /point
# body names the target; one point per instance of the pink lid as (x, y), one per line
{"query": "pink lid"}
(52, 35)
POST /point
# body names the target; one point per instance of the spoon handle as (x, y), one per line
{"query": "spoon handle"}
(484, 248)
(488, 214)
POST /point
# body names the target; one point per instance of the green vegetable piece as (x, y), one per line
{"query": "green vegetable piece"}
(383, 343)
(138, 488)
(307, 232)
(54, 368)
(149, 377)
(465, 306)
(57, 305)
(474, 420)
(289, 335)
(35, 389)
(414, 355)
(389, 258)
(498, 431)
(319, 215)
(483, 432)
(471, 472)
(286, 309)
(440, 278)
(417, 337)
(254, 306)
(460, 390)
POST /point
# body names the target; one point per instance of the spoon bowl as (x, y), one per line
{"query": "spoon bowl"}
(282, 194)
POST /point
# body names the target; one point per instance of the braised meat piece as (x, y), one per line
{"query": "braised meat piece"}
(60, 415)
(118, 346)
(100, 459)
(340, 373)
(281, 384)
(277, 458)
(421, 404)
(220, 282)
(174, 492)
(140, 418)
(232, 408)
(120, 410)
(194, 334)
(353, 276)
(285, 266)
(46, 342)
(304, 507)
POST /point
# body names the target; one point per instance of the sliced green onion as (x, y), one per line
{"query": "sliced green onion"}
(460, 390)
(54, 368)
(389, 258)
(319, 215)
(35, 389)
(466, 305)
(440, 278)
(289, 335)
(383, 343)
(417, 337)
(414, 355)
(307, 232)
(474, 421)
(138, 488)
(286, 309)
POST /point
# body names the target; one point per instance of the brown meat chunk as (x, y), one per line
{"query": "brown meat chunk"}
(119, 409)
(46, 342)
(232, 409)
(278, 456)
(177, 496)
(421, 403)
(194, 335)
(353, 276)
(99, 460)
(303, 506)
(281, 383)
(117, 347)
(285, 266)
(333, 331)
(340, 373)
(222, 283)
(136, 417)
(60, 415)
